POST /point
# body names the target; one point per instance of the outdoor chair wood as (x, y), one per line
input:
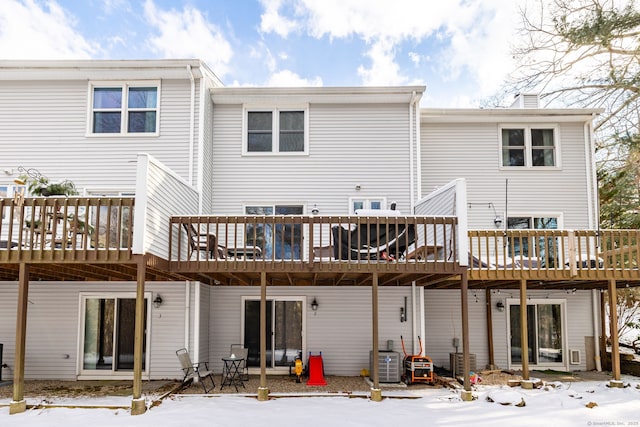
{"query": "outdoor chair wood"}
(199, 372)
(204, 242)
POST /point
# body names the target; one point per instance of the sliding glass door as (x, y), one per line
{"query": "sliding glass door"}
(545, 336)
(284, 326)
(107, 338)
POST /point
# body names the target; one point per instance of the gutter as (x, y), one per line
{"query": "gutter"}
(192, 108)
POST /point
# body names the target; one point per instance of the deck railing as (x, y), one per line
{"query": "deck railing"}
(65, 228)
(313, 239)
(555, 253)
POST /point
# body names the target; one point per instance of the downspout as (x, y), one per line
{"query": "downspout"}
(414, 323)
(418, 151)
(423, 329)
(412, 177)
(196, 323)
(191, 123)
(187, 312)
(592, 186)
(595, 303)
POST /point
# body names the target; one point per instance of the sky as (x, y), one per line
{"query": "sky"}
(567, 404)
(458, 49)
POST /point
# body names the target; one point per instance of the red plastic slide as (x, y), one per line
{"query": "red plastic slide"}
(316, 370)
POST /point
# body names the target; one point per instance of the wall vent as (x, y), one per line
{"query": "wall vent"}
(574, 357)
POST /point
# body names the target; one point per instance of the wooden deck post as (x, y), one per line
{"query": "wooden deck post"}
(466, 362)
(138, 405)
(19, 404)
(606, 362)
(376, 392)
(263, 391)
(613, 328)
(488, 303)
(524, 330)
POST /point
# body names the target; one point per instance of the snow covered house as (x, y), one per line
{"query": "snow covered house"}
(291, 221)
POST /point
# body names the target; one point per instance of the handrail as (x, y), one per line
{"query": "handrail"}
(66, 228)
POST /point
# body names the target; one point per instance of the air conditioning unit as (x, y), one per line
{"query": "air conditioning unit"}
(389, 366)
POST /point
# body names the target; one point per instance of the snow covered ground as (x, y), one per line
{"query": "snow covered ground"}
(557, 403)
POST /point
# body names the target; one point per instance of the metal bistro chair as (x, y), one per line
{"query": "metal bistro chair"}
(241, 351)
(199, 371)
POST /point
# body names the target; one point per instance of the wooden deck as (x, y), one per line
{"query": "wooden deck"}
(76, 238)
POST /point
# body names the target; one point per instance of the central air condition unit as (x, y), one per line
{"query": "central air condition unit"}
(388, 366)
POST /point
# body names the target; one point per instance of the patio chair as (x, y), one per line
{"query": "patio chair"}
(241, 351)
(195, 371)
(203, 242)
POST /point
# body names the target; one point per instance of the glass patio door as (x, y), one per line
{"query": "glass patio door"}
(108, 335)
(284, 331)
(544, 334)
(282, 241)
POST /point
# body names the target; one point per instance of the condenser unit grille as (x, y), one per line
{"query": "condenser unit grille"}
(388, 366)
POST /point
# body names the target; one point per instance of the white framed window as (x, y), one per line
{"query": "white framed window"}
(275, 130)
(546, 332)
(531, 146)
(373, 203)
(124, 108)
(545, 248)
(106, 334)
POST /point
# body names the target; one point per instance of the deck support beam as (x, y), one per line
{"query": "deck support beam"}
(138, 405)
(613, 328)
(18, 403)
(376, 392)
(263, 391)
(466, 358)
(524, 331)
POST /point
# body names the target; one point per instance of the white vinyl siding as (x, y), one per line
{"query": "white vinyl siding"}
(345, 353)
(468, 150)
(377, 135)
(53, 326)
(50, 118)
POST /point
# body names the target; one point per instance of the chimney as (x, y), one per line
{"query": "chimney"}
(526, 100)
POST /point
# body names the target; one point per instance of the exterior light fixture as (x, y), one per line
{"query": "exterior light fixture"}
(314, 305)
(500, 306)
(157, 302)
(498, 221)
(315, 210)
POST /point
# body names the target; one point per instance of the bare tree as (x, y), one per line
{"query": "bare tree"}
(584, 53)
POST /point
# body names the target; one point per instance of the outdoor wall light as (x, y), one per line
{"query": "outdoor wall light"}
(500, 306)
(498, 221)
(403, 315)
(315, 210)
(157, 302)
(314, 305)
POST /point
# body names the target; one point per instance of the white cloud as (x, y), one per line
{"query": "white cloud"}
(272, 21)
(287, 78)
(31, 31)
(475, 34)
(188, 34)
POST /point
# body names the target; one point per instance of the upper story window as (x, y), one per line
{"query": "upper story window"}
(529, 146)
(356, 204)
(124, 108)
(276, 131)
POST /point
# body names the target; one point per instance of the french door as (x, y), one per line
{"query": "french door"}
(284, 241)
(107, 335)
(545, 333)
(285, 330)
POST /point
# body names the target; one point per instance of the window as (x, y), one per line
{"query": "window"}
(546, 248)
(124, 109)
(284, 241)
(107, 337)
(528, 147)
(545, 338)
(276, 131)
(373, 203)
